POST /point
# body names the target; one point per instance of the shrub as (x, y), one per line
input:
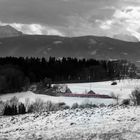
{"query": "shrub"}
(94, 105)
(1, 107)
(31, 109)
(126, 102)
(14, 100)
(14, 109)
(65, 107)
(27, 104)
(40, 106)
(49, 106)
(114, 83)
(52, 106)
(62, 106)
(88, 105)
(21, 108)
(75, 105)
(11, 107)
(135, 96)
(116, 97)
(102, 105)
(37, 106)
(58, 106)
(7, 110)
(61, 88)
(83, 105)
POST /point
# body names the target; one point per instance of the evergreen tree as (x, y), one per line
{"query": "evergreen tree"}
(21, 109)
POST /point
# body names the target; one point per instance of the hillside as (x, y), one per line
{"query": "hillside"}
(100, 123)
(84, 124)
(80, 47)
(8, 31)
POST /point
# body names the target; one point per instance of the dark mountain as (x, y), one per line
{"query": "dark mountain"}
(9, 31)
(80, 47)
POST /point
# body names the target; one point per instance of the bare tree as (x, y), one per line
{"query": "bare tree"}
(116, 97)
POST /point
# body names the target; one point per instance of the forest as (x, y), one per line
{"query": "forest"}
(16, 73)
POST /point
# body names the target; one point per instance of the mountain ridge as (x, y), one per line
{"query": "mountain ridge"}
(8, 31)
(104, 48)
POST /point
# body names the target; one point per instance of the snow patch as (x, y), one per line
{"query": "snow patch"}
(92, 42)
(110, 48)
(125, 53)
(49, 49)
(94, 52)
(57, 42)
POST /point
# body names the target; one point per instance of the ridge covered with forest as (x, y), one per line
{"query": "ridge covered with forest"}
(16, 73)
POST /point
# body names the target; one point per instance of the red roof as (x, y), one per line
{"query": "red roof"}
(87, 95)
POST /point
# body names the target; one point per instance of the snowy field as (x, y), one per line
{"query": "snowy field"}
(107, 123)
(123, 88)
(68, 100)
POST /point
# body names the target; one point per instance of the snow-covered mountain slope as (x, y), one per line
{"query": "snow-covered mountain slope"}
(107, 123)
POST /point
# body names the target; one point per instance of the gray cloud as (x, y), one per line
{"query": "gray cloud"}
(71, 17)
(48, 11)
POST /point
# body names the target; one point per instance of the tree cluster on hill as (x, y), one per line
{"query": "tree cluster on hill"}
(16, 73)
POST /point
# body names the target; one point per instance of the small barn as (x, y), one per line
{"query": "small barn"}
(91, 92)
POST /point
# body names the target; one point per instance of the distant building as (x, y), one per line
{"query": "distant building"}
(91, 92)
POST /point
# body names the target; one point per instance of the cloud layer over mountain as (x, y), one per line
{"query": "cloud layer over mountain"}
(73, 17)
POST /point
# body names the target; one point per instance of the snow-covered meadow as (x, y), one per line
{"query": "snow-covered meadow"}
(107, 123)
(123, 88)
(68, 100)
(103, 123)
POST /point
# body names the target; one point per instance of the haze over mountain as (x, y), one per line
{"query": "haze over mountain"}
(9, 31)
(126, 37)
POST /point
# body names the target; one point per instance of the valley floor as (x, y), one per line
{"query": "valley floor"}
(104, 123)
(123, 89)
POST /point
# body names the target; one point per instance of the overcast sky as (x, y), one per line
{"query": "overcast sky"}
(72, 17)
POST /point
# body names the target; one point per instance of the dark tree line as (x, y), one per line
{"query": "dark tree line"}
(16, 73)
(14, 109)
